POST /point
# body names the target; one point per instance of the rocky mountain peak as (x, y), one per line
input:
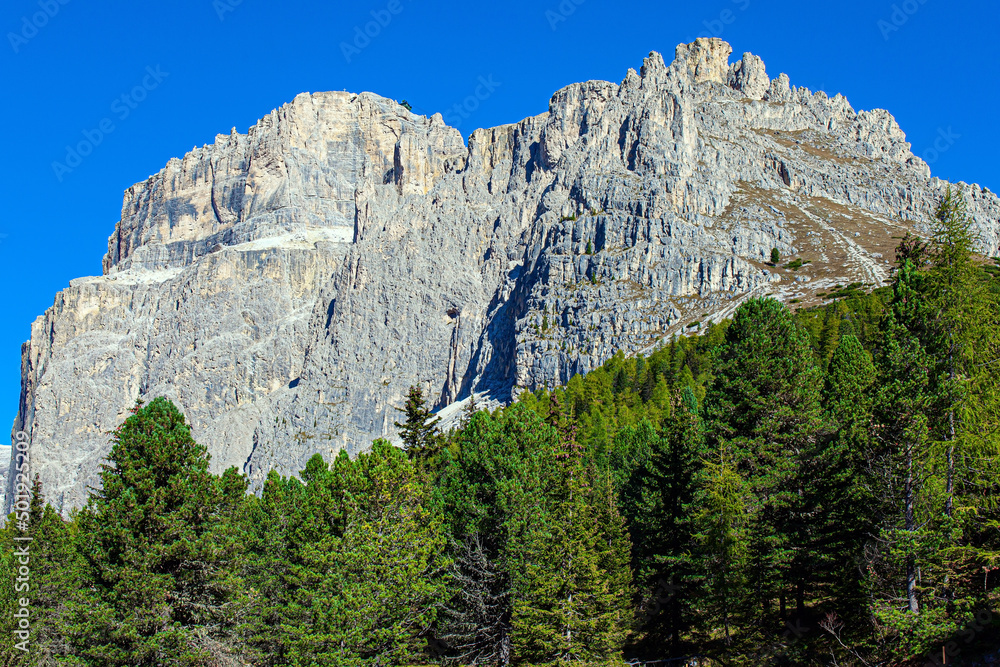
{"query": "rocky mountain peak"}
(704, 59)
(285, 286)
(749, 76)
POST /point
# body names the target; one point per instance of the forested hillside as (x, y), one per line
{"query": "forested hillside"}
(790, 488)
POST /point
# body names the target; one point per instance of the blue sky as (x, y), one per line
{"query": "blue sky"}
(202, 67)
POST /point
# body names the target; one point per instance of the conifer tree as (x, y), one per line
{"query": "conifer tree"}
(421, 438)
(372, 586)
(491, 492)
(763, 407)
(658, 503)
(476, 624)
(11, 653)
(56, 583)
(62, 596)
(939, 422)
(151, 545)
(845, 488)
(271, 526)
(964, 323)
(573, 597)
(36, 506)
(721, 523)
(898, 565)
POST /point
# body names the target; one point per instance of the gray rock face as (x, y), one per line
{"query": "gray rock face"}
(750, 77)
(286, 286)
(5, 461)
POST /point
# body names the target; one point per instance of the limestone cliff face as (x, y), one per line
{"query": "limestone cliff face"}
(286, 286)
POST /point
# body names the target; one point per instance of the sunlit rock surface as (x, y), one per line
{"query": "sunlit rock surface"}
(286, 286)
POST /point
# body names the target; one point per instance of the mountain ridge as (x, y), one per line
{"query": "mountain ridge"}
(287, 285)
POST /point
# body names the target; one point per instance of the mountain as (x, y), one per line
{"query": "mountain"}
(286, 286)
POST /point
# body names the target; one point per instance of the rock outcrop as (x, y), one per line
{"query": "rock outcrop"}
(5, 464)
(286, 286)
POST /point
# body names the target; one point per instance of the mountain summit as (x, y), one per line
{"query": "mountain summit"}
(286, 286)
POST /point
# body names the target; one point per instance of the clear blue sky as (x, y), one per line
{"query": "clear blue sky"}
(66, 64)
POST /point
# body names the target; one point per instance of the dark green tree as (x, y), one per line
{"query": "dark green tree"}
(57, 585)
(421, 438)
(657, 501)
(574, 591)
(899, 564)
(151, 541)
(271, 526)
(491, 491)
(763, 407)
(846, 488)
(371, 586)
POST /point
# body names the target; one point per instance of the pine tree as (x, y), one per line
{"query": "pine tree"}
(491, 492)
(157, 565)
(11, 592)
(371, 586)
(658, 499)
(721, 522)
(845, 489)
(271, 526)
(36, 507)
(470, 410)
(942, 334)
(421, 438)
(573, 598)
(899, 566)
(764, 407)
(62, 599)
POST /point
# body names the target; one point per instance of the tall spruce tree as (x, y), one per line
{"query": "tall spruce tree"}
(763, 407)
(574, 595)
(373, 579)
(657, 502)
(846, 491)
(421, 438)
(899, 557)
(152, 547)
